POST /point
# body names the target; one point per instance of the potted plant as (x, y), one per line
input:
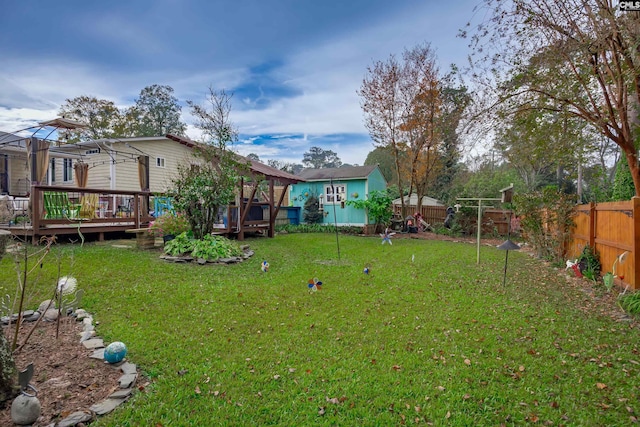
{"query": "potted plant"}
(169, 225)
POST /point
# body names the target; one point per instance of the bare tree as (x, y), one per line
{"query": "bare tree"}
(212, 118)
(401, 103)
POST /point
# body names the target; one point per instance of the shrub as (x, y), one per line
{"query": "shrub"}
(311, 212)
(589, 263)
(630, 303)
(170, 224)
(546, 221)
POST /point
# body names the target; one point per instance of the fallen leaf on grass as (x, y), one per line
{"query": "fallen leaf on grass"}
(321, 410)
(198, 390)
(448, 415)
(601, 386)
(467, 362)
(396, 367)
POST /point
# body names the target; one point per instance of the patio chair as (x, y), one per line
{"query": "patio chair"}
(162, 205)
(89, 205)
(58, 206)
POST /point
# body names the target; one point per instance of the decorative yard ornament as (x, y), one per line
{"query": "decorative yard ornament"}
(507, 246)
(264, 266)
(315, 285)
(66, 285)
(25, 409)
(386, 236)
(115, 352)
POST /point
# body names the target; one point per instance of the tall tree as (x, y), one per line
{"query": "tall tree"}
(537, 143)
(454, 102)
(157, 112)
(318, 158)
(101, 116)
(383, 157)
(381, 102)
(578, 56)
(212, 118)
(422, 114)
(292, 168)
(402, 106)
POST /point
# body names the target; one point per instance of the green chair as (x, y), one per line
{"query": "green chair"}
(58, 206)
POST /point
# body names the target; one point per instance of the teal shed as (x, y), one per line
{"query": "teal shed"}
(333, 187)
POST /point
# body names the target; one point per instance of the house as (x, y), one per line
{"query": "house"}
(109, 185)
(334, 187)
(412, 202)
(15, 178)
(113, 163)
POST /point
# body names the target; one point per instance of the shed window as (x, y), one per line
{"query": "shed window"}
(335, 193)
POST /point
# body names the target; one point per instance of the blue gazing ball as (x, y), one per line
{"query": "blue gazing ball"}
(115, 352)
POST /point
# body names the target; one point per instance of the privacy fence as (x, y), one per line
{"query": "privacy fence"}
(612, 229)
(494, 221)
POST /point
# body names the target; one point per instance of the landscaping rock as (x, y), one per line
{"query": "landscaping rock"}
(93, 343)
(129, 368)
(127, 380)
(50, 315)
(76, 418)
(106, 406)
(98, 354)
(25, 410)
(44, 305)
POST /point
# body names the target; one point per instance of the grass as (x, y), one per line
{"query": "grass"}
(437, 340)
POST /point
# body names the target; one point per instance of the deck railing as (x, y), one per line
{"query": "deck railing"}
(53, 210)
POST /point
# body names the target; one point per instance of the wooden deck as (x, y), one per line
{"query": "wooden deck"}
(116, 211)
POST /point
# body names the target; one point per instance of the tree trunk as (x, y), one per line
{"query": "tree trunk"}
(632, 159)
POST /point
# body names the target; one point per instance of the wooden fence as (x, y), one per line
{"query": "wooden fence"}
(494, 221)
(612, 229)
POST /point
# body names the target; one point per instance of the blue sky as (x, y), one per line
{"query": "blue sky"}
(294, 66)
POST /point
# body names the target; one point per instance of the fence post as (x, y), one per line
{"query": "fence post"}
(635, 206)
(592, 225)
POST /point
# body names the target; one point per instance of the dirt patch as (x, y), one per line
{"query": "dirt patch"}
(66, 378)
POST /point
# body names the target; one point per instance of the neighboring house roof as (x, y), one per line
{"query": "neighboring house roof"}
(347, 172)
(413, 201)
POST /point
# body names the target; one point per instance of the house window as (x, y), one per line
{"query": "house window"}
(160, 162)
(67, 170)
(92, 151)
(52, 170)
(336, 193)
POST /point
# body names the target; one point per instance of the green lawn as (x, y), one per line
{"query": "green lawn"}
(436, 340)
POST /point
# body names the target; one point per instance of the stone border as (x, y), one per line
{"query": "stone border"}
(88, 339)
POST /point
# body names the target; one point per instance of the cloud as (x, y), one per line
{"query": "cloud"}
(295, 68)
